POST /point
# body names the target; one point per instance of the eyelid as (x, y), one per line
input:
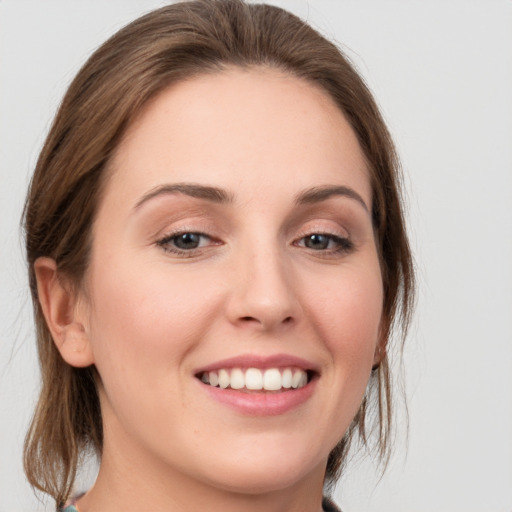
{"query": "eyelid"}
(172, 235)
(337, 234)
(326, 227)
(163, 241)
(168, 227)
(322, 233)
(161, 219)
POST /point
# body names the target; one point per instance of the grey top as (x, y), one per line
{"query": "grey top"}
(329, 506)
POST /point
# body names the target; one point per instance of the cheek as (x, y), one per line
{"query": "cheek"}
(144, 323)
(351, 308)
(348, 317)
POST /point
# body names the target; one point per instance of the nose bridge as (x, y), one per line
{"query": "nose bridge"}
(264, 294)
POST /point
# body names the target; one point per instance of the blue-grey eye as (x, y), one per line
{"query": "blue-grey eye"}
(187, 240)
(317, 241)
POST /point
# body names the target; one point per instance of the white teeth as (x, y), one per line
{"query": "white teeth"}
(298, 379)
(271, 379)
(287, 378)
(253, 379)
(213, 378)
(223, 379)
(237, 379)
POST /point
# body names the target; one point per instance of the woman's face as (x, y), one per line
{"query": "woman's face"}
(233, 249)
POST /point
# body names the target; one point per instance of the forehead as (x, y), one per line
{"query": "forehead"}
(257, 127)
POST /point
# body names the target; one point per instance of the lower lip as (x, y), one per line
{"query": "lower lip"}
(264, 403)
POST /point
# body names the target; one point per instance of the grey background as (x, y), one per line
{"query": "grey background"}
(442, 73)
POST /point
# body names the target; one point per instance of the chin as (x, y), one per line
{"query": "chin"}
(262, 475)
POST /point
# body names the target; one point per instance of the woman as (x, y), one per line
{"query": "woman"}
(217, 259)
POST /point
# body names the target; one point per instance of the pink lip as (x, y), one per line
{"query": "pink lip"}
(261, 362)
(261, 403)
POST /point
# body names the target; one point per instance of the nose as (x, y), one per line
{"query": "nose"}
(263, 294)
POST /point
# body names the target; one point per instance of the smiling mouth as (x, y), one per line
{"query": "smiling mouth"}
(254, 380)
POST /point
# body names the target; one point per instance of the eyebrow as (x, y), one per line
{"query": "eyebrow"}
(318, 194)
(213, 194)
(221, 196)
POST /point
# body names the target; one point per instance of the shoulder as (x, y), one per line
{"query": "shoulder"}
(70, 505)
(329, 506)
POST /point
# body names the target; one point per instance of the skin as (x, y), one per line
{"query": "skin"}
(148, 317)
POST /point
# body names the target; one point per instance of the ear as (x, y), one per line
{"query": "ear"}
(60, 308)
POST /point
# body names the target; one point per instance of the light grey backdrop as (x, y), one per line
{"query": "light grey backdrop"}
(442, 73)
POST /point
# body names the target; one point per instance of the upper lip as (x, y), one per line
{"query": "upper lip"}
(261, 362)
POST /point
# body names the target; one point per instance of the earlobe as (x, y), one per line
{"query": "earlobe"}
(378, 356)
(59, 304)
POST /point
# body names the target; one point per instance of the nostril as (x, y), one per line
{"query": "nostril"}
(286, 320)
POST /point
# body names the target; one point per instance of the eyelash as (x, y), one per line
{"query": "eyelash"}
(165, 243)
(342, 245)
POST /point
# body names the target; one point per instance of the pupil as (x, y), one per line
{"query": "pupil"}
(187, 241)
(317, 242)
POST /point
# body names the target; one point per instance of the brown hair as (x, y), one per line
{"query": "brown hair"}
(161, 48)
